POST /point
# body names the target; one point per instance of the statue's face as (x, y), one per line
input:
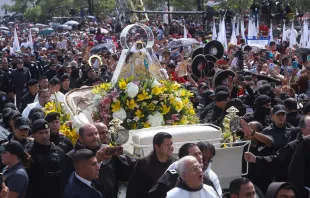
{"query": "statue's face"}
(139, 46)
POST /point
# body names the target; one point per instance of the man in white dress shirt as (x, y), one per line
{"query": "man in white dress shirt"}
(44, 97)
(190, 184)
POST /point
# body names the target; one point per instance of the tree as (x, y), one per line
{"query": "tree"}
(33, 14)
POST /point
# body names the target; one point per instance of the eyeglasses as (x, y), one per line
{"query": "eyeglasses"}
(196, 169)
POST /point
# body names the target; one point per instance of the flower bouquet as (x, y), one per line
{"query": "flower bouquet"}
(65, 122)
(143, 104)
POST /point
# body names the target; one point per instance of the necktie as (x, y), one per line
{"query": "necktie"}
(93, 186)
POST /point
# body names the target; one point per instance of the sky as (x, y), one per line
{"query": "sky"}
(4, 2)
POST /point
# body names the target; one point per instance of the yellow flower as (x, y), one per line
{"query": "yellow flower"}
(131, 104)
(139, 114)
(171, 99)
(192, 111)
(134, 126)
(184, 120)
(165, 109)
(178, 106)
(116, 106)
(146, 125)
(175, 86)
(151, 106)
(156, 90)
(183, 92)
(122, 84)
(143, 96)
(185, 101)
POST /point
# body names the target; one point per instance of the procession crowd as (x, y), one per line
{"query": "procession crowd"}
(270, 89)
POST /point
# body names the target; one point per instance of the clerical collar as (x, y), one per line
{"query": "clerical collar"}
(184, 186)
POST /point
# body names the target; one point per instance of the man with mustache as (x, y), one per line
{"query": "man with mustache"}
(46, 175)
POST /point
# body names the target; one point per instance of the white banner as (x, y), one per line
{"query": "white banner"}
(215, 2)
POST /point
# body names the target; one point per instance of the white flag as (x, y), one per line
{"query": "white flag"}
(242, 29)
(270, 32)
(250, 29)
(30, 42)
(185, 31)
(16, 47)
(283, 32)
(214, 34)
(292, 36)
(233, 38)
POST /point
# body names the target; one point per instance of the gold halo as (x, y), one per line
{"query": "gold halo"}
(94, 56)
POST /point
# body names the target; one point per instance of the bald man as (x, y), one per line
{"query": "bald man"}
(104, 134)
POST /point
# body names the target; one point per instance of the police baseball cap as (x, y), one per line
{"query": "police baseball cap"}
(36, 116)
(221, 96)
(52, 116)
(15, 148)
(278, 109)
(22, 123)
(38, 125)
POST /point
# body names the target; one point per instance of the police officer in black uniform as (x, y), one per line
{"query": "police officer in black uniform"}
(58, 139)
(20, 76)
(213, 112)
(34, 70)
(36, 63)
(33, 87)
(20, 132)
(5, 66)
(45, 170)
(5, 85)
(51, 72)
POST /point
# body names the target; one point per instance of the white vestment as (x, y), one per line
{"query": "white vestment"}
(29, 107)
(213, 177)
(58, 96)
(205, 192)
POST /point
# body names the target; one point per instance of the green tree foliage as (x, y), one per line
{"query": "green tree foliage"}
(33, 14)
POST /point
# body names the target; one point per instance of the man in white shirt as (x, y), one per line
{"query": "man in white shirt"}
(54, 86)
(86, 169)
(191, 181)
(44, 97)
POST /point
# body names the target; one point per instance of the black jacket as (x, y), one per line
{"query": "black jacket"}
(25, 100)
(62, 142)
(49, 74)
(278, 163)
(298, 171)
(281, 136)
(293, 118)
(5, 85)
(77, 189)
(145, 174)
(45, 171)
(111, 172)
(34, 70)
(19, 79)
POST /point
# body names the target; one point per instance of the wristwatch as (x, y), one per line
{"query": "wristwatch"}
(253, 132)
